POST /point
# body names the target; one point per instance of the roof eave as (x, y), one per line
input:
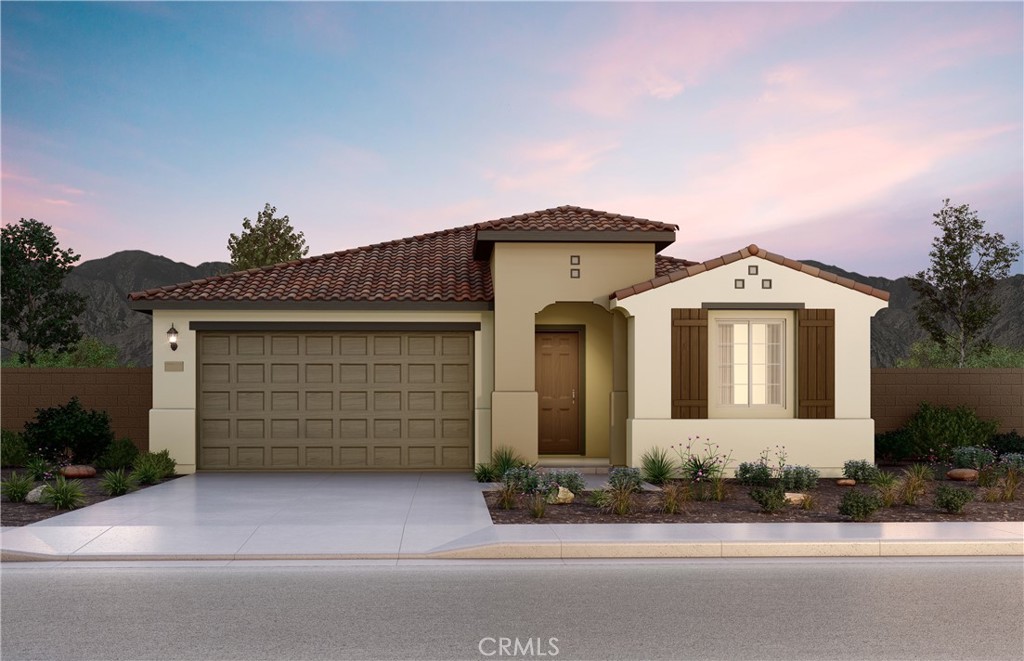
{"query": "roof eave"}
(483, 242)
(150, 305)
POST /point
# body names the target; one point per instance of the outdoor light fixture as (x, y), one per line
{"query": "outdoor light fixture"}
(172, 337)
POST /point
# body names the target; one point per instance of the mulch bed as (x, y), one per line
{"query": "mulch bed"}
(22, 514)
(739, 508)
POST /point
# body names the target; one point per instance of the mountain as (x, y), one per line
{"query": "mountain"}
(895, 328)
(106, 283)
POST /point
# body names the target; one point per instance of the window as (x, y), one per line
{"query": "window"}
(751, 362)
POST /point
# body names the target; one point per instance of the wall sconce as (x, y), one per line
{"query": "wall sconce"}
(172, 337)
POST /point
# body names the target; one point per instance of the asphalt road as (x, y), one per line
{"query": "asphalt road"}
(958, 608)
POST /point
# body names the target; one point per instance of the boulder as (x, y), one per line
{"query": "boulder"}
(36, 495)
(846, 483)
(562, 497)
(962, 475)
(78, 471)
(795, 498)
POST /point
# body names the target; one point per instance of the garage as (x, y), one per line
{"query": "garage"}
(335, 400)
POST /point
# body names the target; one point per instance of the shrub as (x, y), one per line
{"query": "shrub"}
(808, 503)
(914, 484)
(973, 456)
(504, 459)
(39, 469)
(619, 500)
(119, 454)
(567, 479)
(64, 494)
(657, 466)
(719, 488)
(507, 496)
(937, 430)
(754, 474)
(117, 483)
(888, 488)
(952, 499)
(858, 505)
(159, 464)
(1012, 459)
(922, 472)
(13, 449)
(771, 499)
(16, 487)
(1008, 442)
(485, 473)
(625, 479)
(701, 466)
(895, 445)
(538, 505)
(522, 480)
(674, 497)
(58, 430)
(861, 470)
(799, 478)
(1005, 490)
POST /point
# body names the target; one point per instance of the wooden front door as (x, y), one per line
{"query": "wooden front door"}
(558, 391)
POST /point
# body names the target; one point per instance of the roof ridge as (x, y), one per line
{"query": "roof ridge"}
(750, 251)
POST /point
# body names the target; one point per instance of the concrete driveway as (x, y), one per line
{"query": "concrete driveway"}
(415, 516)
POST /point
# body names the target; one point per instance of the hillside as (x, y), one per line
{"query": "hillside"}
(106, 283)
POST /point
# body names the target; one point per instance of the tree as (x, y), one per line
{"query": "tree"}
(269, 240)
(955, 303)
(37, 315)
(88, 352)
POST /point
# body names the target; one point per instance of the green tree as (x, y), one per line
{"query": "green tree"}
(37, 314)
(269, 240)
(88, 352)
(955, 303)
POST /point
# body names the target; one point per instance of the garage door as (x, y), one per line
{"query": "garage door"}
(347, 400)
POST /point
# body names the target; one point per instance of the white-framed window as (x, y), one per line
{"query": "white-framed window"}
(751, 364)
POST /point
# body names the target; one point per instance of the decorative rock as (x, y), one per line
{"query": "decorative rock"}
(78, 471)
(846, 483)
(795, 498)
(36, 495)
(962, 474)
(562, 497)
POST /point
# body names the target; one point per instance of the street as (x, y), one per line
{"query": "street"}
(934, 608)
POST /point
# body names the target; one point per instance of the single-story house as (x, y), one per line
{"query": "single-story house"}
(562, 333)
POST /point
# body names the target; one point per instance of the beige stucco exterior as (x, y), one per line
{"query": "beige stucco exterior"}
(823, 444)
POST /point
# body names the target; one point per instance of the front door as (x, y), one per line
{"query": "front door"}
(558, 391)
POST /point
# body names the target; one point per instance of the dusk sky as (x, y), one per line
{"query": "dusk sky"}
(819, 131)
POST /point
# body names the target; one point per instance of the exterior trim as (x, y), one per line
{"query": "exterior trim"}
(482, 245)
(146, 306)
(313, 326)
(752, 306)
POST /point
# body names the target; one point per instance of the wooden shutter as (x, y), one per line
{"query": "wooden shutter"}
(689, 363)
(816, 364)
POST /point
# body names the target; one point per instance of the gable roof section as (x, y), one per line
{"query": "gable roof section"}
(750, 251)
(438, 269)
(571, 224)
(429, 268)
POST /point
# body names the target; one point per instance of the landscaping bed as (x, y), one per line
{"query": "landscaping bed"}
(738, 507)
(22, 514)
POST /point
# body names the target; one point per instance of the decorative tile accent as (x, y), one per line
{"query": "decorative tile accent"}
(752, 269)
(766, 283)
(739, 283)
(574, 273)
(574, 260)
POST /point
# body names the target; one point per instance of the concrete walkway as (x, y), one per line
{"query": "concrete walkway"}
(321, 516)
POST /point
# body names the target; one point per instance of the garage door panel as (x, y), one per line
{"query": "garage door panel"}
(317, 401)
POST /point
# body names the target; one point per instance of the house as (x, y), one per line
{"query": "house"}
(562, 333)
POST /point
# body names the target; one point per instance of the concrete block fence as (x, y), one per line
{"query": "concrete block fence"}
(126, 394)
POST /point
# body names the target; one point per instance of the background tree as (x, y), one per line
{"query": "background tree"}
(37, 315)
(269, 240)
(955, 303)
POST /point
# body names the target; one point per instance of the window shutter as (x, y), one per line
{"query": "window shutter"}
(689, 363)
(816, 364)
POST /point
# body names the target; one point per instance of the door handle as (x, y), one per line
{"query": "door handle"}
(573, 395)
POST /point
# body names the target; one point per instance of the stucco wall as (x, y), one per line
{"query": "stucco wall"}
(824, 444)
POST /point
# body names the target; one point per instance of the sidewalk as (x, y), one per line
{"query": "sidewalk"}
(327, 516)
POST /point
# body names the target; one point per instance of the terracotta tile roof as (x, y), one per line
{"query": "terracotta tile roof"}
(430, 267)
(567, 218)
(663, 264)
(662, 279)
(437, 267)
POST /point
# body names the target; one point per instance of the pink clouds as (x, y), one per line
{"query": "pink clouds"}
(657, 54)
(550, 166)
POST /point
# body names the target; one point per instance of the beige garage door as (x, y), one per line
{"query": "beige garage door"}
(344, 400)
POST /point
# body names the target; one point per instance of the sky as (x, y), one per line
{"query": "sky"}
(821, 131)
